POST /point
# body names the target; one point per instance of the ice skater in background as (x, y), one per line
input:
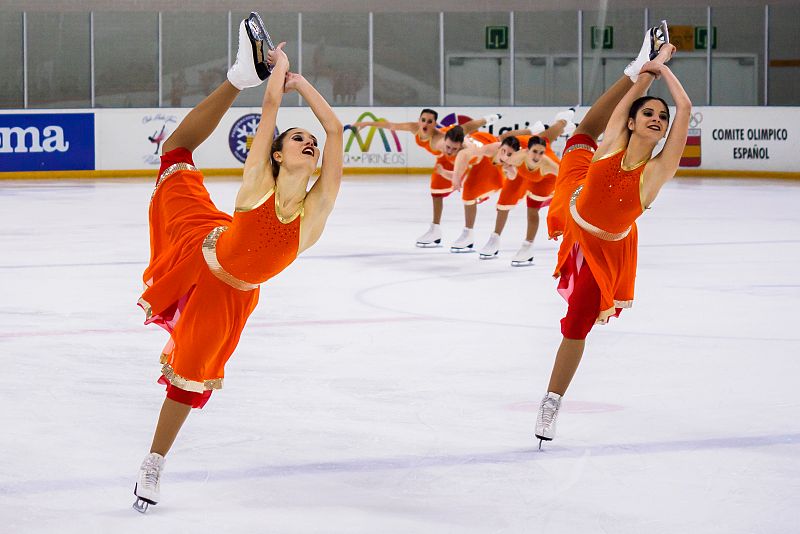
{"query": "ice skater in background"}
(205, 267)
(530, 173)
(433, 140)
(600, 192)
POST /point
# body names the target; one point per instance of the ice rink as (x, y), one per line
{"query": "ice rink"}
(382, 388)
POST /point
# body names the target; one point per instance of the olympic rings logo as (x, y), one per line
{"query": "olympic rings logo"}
(695, 120)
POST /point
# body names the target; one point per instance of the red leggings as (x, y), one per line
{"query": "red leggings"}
(583, 304)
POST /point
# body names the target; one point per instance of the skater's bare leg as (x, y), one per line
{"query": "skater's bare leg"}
(203, 119)
(596, 119)
(533, 224)
(173, 415)
(567, 360)
(438, 208)
(470, 214)
(500, 222)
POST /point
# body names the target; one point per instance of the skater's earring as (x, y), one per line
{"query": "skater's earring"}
(277, 157)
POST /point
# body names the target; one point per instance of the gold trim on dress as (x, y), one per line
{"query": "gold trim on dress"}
(169, 171)
(185, 384)
(299, 212)
(537, 197)
(257, 204)
(210, 255)
(633, 168)
(579, 146)
(148, 310)
(439, 191)
(589, 227)
(610, 154)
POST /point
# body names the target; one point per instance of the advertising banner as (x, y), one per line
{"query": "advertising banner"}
(721, 139)
(47, 142)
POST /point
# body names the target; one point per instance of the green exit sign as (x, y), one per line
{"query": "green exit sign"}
(602, 37)
(496, 37)
(701, 37)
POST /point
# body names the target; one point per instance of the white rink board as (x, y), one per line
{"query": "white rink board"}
(732, 138)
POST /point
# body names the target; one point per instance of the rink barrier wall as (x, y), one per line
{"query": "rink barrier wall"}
(759, 142)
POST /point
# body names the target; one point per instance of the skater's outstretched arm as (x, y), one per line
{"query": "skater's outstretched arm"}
(615, 135)
(475, 124)
(663, 167)
(257, 166)
(399, 126)
(320, 199)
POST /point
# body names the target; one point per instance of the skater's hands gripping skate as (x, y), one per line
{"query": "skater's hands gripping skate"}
(277, 57)
(293, 81)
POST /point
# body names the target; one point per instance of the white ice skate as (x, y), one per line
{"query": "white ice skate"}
(524, 255)
(491, 119)
(654, 39)
(251, 67)
(569, 129)
(148, 487)
(465, 242)
(432, 238)
(491, 248)
(537, 127)
(567, 115)
(546, 420)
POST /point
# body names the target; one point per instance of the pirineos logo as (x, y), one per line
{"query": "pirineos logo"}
(366, 156)
(46, 142)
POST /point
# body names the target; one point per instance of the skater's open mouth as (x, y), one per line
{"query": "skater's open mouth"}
(655, 127)
(308, 151)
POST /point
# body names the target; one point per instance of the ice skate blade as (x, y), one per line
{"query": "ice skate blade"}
(258, 38)
(462, 250)
(541, 439)
(523, 263)
(141, 505)
(437, 243)
(488, 256)
(659, 37)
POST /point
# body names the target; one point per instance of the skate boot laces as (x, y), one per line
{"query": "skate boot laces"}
(548, 411)
(151, 470)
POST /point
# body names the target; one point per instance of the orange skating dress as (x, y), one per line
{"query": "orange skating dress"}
(203, 279)
(426, 144)
(571, 173)
(527, 182)
(440, 186)
(601, 228)
(483, 177)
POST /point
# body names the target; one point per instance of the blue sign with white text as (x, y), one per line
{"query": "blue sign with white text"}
(46, 142)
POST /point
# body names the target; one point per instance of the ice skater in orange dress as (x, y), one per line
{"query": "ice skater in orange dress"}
(477, 174)
(205, 267)
(530, 172)
(434, 140)
(607, 187)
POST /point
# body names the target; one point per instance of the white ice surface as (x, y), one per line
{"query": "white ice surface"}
(381, 388)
